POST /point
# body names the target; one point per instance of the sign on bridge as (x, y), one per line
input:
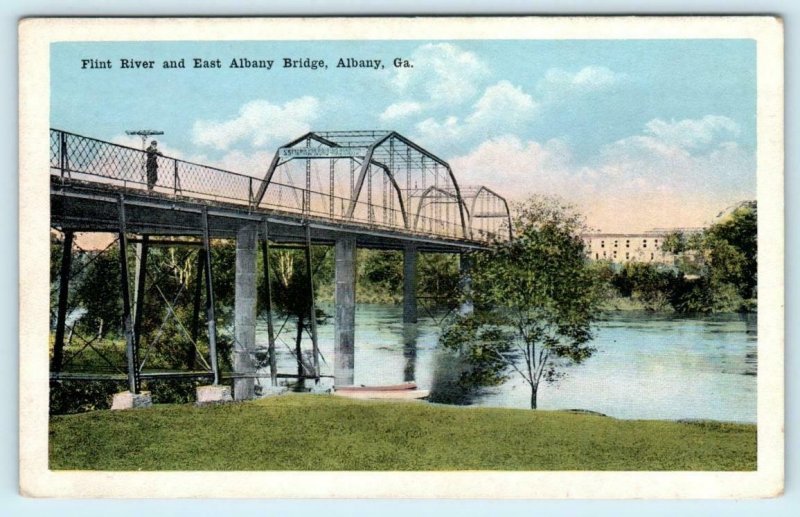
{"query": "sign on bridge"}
(322, 152)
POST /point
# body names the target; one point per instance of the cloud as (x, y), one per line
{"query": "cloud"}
(443, 74)
(259, 123)
(507, 108)
(502, 108)
(502, 104)
(514, 167)
(250, 164)
(400, 110)
(640, 182)
(692, 133)
(559, 83)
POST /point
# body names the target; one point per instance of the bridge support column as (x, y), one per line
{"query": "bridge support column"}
(345, 307)
(465, 263)
(245, 312)
(127, 322)
(63, 294)
(410, 284)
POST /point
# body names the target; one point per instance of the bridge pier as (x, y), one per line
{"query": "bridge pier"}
(410, 284)
(465, 263)
(63, 295)
(245, 312)
(345, 312)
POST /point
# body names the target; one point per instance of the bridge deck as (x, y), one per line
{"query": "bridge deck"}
(85, 207)
(408, 197)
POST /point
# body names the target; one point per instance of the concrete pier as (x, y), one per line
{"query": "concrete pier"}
(465, 267)
(410, 284)
(410, 334)
(345, 307)
(245, 312)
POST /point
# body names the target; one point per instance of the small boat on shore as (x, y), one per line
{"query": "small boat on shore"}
(403, 391)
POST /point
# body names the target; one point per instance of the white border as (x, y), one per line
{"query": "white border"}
(35, 38)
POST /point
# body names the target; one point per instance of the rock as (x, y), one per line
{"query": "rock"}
(213, 394)
(128, 400)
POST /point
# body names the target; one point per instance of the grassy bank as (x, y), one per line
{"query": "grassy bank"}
(321, 432)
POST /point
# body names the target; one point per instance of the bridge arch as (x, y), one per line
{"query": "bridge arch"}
(432, 196)
(335, 191)
(408, 176)
(486, 204)
(414, 166)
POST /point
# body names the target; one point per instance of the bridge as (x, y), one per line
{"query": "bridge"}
(345, 189)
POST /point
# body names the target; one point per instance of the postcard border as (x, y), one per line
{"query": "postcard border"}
(36, 480)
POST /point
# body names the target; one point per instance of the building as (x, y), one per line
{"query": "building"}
(622, 248)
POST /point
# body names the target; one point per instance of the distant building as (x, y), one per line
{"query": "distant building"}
(622, 248)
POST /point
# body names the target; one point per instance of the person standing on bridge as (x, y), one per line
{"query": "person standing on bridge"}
(152, 164)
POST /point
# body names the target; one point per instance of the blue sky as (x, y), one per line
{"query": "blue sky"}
(638, 134)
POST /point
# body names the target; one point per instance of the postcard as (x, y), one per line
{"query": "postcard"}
(488, 257)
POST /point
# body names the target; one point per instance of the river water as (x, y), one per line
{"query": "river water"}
(647, 366)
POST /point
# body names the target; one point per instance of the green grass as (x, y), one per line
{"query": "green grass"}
(322, 432)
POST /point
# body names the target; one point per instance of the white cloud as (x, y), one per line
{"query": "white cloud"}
(443, 74)
(502, 108)
(637, 183)
(259, 123)
(250, 164)
(400, 110)
(432, 130)
(516, 168)
(559, 83)
(502, 103)
(692, 133)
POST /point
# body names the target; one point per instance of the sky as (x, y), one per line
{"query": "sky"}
(637, 134)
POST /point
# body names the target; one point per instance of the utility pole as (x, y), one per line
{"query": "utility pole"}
(144, 133)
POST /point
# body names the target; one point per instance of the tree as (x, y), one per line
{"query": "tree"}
(98, 291)
(732, 246)
(727, 265)
(645, 283)
(536, 298)
(291, 294)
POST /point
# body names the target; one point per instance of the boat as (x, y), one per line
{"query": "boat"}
(403, 391)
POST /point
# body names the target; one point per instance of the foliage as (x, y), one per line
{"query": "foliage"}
(68, 397)
(439, 278)
(727, 254)
(715, 270)
(291, 294)
(646, 283)
(536, 295)
(382, 270)
(733, 246)
(289, 279)
(322, 432)
(488, 350)
(99, 293)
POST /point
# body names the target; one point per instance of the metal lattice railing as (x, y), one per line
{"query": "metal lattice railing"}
(432, 212)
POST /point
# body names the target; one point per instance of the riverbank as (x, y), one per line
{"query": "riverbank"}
(322, 432)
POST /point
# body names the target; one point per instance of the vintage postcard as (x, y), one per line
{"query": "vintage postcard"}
(507, 257)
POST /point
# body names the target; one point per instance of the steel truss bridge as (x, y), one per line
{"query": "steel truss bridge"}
(349, 189)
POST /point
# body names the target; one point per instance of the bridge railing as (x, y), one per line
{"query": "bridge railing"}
(79, 158)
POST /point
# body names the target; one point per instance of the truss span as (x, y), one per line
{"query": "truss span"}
(374, 179)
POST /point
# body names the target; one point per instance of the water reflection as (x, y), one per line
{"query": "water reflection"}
(646, 365)
(410, 333)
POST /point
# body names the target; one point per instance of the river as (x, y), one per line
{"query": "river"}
(647, 366)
